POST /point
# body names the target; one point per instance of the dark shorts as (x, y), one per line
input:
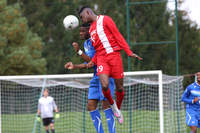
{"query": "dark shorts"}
(47, 121)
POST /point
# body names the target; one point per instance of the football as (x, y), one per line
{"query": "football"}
(70, 22)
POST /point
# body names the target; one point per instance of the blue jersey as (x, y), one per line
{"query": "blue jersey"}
(192, 91)
(90, 51)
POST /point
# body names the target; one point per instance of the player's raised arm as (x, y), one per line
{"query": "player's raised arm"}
(80, 52)
(88, 48)
(120, 39)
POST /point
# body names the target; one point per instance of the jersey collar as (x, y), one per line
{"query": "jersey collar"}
(198, 84)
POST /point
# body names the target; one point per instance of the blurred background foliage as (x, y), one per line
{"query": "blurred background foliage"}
(20, 48)
(34, 41)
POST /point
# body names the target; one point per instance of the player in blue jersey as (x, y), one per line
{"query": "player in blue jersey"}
(191, 97)
(95, 93)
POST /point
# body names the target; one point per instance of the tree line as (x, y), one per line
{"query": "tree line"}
(34, 41)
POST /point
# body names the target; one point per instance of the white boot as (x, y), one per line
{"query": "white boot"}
(117, 113)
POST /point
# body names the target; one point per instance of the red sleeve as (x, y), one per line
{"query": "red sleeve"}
(120, 39)
(94, 59)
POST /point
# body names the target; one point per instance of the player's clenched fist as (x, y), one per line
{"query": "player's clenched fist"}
(76, 46)
(90, 64)
(69, 65)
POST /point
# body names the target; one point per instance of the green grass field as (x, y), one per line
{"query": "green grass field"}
(79, 122)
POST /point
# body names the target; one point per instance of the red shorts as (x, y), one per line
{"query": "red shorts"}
(111, 65)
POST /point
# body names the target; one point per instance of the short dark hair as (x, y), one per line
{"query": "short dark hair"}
(82, 8)
(45, 89)
(85, 25)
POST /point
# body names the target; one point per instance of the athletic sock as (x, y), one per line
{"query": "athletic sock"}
(52, 130)
(107, 95)
(110, 120)
(120, 97)
(96, 118)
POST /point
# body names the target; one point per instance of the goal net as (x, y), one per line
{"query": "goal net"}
(151, 104)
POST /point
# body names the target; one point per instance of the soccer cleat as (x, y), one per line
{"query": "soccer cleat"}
(117, 113)
(121, 118)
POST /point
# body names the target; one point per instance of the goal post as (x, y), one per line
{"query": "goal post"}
(160, 82)
(41, 93)
(151, 104)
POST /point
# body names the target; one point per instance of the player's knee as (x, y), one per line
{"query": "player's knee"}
(193, 129)
(91, 106)
(52, 126)
(105, 104)
(104, 86)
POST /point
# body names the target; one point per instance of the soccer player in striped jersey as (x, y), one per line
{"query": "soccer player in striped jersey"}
(108, 42)
(191, 97)
(94, 93)
(46, 107)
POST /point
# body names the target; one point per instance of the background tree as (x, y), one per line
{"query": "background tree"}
(20, 49)
(189, 42)
(46, 19)
(149, 22)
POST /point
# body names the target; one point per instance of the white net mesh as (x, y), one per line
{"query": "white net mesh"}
(19, 99)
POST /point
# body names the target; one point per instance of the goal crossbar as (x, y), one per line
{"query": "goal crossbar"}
(69, 76)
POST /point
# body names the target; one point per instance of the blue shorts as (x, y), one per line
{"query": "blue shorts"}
(192, 118)
(95, 89)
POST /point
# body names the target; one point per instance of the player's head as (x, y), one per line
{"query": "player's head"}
(46, 92)
(86, 14)
(198, 76)
(84, 31)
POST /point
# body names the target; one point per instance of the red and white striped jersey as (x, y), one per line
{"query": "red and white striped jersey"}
(106, 38)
